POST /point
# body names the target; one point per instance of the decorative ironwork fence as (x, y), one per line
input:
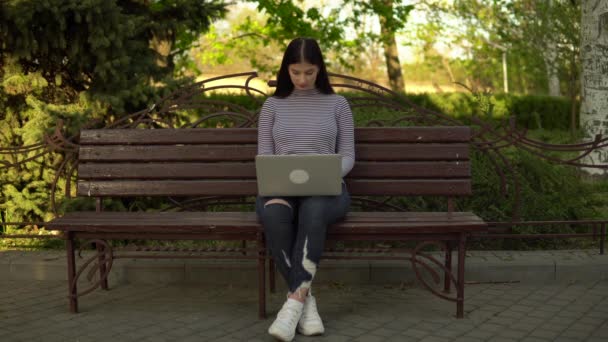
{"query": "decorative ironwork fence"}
(189, 107)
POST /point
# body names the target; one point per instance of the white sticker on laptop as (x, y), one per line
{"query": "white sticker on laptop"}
(299, 176)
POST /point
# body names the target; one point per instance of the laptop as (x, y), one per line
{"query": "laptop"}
(299, 175)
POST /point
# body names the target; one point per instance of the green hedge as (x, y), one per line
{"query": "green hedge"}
(531, 111)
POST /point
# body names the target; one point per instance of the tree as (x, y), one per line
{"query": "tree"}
(74, 61)
(594, 105)
(392, 18)
(286, 20)
(115, 51)
(525, 30)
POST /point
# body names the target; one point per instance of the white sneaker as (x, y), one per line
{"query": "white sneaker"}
(284, 327)
(310, 323)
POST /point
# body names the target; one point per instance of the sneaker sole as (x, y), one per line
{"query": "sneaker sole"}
(310, 333)
(277, 336)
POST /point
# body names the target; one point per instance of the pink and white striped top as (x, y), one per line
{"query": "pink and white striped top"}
(308, 122)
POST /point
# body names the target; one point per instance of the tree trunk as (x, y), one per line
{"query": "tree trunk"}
(391, 54)
(550, 57)
(594, 78)
(550, 52)
(162, 46)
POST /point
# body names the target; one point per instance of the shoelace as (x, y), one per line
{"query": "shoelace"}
(289, 314)
(310, 313)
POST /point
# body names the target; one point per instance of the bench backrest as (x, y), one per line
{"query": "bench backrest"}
(219, 162)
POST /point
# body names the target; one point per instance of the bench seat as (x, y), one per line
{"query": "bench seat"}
(246, 222)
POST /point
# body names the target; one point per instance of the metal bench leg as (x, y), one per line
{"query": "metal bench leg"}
(461, 256)
(448, 265)
(602, 238)
(72, 292)
(102, 265)
(261, 278)
(271, 275)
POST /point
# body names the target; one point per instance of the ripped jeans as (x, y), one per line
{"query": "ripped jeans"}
(296, 236)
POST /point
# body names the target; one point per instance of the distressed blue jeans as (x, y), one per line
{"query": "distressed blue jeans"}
(296, 236)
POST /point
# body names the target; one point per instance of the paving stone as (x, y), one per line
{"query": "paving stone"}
(511, 314)
(534, 339)
(512, 334)
(480, 334)
(337, 338)
(493, 328)
(416, 333)
(593, 321)
(353, 331)
(523, 326)
(449, 333)
(596, 339)
(576, 334)
(429, 326)
(363, 313)
(522, 308)
(369, 338)
(545, 333)
(502, 321)
(434, 339)
(384, 332)
(582, 327)
(541, 313)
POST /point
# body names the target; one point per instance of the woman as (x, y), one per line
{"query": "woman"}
(304, 116)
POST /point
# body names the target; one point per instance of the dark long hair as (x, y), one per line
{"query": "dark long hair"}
(302, 50)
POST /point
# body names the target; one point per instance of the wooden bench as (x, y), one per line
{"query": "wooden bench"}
(404, 161)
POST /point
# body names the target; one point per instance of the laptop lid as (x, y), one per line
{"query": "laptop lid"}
(299, 175)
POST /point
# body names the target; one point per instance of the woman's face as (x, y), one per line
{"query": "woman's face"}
(303, 75)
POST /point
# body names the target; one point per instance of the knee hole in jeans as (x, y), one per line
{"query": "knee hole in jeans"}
(277, 201)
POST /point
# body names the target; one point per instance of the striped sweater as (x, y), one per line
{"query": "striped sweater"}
(308, 122)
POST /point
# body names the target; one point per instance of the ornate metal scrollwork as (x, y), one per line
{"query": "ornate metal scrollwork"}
(419, 258)
(488, 138)
(103, 261)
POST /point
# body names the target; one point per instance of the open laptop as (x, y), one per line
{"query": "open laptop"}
(299, 175)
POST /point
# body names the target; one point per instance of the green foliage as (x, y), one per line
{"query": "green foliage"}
(531, 111)
(78, 61)
(541, 111)
(116, 52)
(547, 192)
(285, 20)
(540, 38)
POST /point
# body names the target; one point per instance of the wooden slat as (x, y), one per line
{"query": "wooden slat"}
(165, 235)
(403, 152)
(165, 217)
(168, 153)
(249, 135)
(169, 136)
(166, 171)
(370, 217)
(168, 188)
(405, 228)
(437, 134)
(239, 216)
(456, 169)
(375, 152)
(389, 187)
(246, 222)
(195, 170)
(239, 228)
